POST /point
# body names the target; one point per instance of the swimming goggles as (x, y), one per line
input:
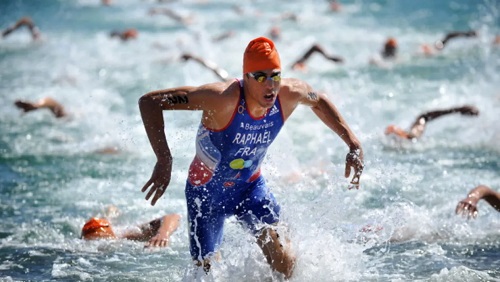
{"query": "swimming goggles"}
(262, 77)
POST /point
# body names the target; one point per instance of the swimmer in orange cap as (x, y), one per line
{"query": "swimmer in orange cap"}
(300, 64)
(24, 21)
(156, 232)
(468, 206)
(418, 127)
(388, 54)
(97, 228)
(45, 103)
(125, 35)
(390, 49)
(240, 119)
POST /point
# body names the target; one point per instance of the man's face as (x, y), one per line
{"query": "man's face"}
(264, 86)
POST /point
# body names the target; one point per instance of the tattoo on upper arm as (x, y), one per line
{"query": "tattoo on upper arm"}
(176, 99)
(312, 96)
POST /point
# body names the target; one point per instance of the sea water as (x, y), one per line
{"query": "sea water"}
(54, 176)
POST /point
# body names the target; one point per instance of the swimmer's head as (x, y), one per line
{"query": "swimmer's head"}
(390, 48)
(130, 33)
(97, 228)
(391, 43)
(261, 54)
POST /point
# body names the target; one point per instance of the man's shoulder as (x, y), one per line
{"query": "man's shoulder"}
(224, 87)
(294, 85)
(216, 96)
(291, 81)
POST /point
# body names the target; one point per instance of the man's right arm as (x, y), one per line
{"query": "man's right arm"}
(207, 97)
(152, 104)
(152, 117)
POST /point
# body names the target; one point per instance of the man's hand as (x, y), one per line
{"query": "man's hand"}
(25, 106)
(354, 159)
(159, 240)
(467, 208)
(186, 56)
(159, 180)
(469, 111)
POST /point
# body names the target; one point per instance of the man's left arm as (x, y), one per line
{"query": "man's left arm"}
(330, 116)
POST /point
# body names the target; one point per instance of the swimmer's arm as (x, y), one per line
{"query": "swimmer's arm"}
(302, 60)
(456, 34)
(320, 50)
(313, 49)
(493, 198)
(392, 129)
(331, 117)
(23, 21)
(35, 33)
(468, 206)
(9, 30)
(55, 107)
(167, 226)
(221, 73)
(169, 13)
(464, 110)
(418, 126)
(306, 55)
(205, 97)
(213, 99)
(163, 227)
(209, 97)
(483, 192)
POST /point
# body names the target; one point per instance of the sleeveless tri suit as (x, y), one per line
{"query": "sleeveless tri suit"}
(224, 177)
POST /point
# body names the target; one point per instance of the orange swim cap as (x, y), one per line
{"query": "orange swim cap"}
(260, 54)
(130, 33)
(391, 42)
(97, 228)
